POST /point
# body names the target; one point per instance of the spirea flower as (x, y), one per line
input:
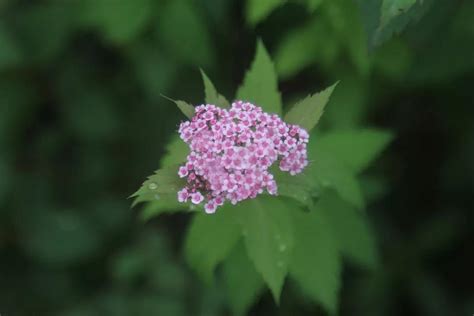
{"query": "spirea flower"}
(232, 150)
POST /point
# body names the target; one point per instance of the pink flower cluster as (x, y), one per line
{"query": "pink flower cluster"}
(231, 151)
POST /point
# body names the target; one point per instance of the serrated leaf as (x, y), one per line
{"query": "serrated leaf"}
(212, 96)
(209, 240)
(301, 187)
(260, 84)
(186, 108)
(357, 148)
(308, 111)
(397, 23)
(176, 152)
(167, 203)
(351, 229)
(392, 8)
(332, 173)
(242, 282)
(315, 263)
(383, 19)
(258, 10)
(268, 234)
(164, 183)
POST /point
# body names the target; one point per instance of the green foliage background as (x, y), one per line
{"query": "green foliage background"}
(82, 123)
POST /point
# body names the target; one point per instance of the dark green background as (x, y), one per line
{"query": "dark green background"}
(82, 124)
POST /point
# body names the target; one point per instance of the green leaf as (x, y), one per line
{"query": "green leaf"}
(331, 172)
(184, 34)
(393, 8)
(186, 108)
(260, 84)
(356, 149)
(348, 105)
(352, 37)
(312, 43)
(109, 17)
(301, 187)
(176, 152)
(242, 282)
(315, 263)
(308, 111)
(296, 50)
(258, 10)
(268, 234)
(209, 240)
(321, 41)
(351, 229)
(384, 18)
(313, 4)
(391, 24)
(165, 183)
(212, 96)
(167, 203)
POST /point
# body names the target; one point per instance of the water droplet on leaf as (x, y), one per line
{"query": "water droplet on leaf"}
(157, 197)
(152, 186)
(280, 264)
(282, 247)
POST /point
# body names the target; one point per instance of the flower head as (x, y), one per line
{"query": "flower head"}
(232, 150)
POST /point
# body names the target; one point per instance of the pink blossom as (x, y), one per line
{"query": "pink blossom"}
(210, 207)
(197, 197)
(232, 150)
(183, 171)
(183, 195)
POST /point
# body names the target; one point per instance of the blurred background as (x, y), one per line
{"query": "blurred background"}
(82, 124)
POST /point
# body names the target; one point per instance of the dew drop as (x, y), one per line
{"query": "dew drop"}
(280, 264)
(152, 186)
(277, 237)
(282, 247)
(157, 197)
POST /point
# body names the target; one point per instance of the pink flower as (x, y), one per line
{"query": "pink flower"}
(183, 195)
(231, 151)
(183, 172)
(197, 197)
(210, 207)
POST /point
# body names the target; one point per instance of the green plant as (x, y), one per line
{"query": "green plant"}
(304, 233)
